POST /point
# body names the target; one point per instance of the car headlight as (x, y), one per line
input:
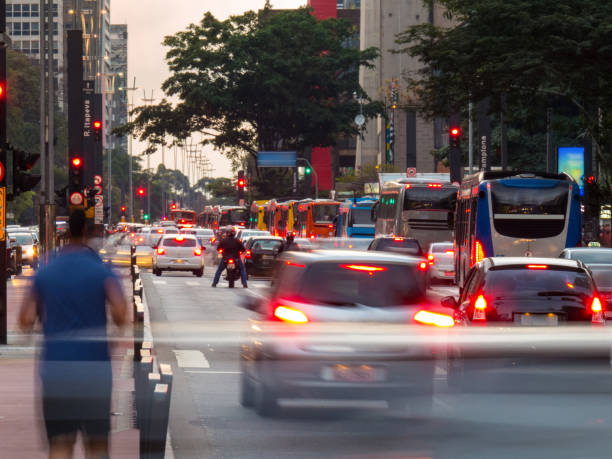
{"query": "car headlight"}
(30, 251)
(102, 251)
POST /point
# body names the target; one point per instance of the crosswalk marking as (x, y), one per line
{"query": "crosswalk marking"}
(159, 282)
(190, 359)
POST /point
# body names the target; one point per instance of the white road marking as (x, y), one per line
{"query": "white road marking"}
(191, 359)
(159, 282)
(193, 283)
(212, 372)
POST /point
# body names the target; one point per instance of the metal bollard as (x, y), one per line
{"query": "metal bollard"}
(143, 368)
(138, 288)
(132, 261)
(160, 413)
(166, 374)
(138, 331)
(145, 419)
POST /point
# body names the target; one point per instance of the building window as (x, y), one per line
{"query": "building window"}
(34, 27)
(34, 10)
(17, 28)
(9, 11)
(17, 45)
(9, 28)
(25, 10)
(34, 46)
(17, 11)
(25, 28)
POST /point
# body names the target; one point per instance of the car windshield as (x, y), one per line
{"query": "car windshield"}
(324, 213)
(367, 283)
(179, 242)
(592, 257)
(23, 239)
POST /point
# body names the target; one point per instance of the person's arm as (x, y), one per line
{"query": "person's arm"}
(118, 304)
(28, 313)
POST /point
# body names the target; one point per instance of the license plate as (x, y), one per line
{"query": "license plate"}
(178, 260)
(267, 257)
(353, 373)
(538, 320)
(449, 273)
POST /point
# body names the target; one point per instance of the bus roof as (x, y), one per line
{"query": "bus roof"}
(494, 175)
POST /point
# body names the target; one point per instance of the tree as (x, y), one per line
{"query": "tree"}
(535, 53)
(270, 79)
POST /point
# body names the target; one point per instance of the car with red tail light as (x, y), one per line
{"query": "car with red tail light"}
(511, 304)
(339, 325)
(178, 252)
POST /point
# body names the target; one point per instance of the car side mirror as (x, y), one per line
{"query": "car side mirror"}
(449, 302)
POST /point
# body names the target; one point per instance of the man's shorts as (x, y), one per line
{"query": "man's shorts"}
(76, 397)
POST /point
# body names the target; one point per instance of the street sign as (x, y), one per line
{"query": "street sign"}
(2, 213)
(99, 209)
(276, 158)
(411, 172)
(360, 120)
(76, 199)
(97, 179)
(97, 189)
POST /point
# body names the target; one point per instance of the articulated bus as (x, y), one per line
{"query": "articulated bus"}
(233, 215)
(417, 208)
(316, 218)
(209, 217)
(257, 219)
(355, 218)
(284, 218)
(506, 214)
(183, 217)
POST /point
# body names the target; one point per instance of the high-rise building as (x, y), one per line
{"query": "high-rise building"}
(119, 70)
(23, 26)
(402, 137)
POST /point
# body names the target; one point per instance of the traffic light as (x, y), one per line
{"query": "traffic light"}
(122, 209)
(454, 137)
(141, 191)
(146, 217)
(307, 170)
(241, 180)
(173, 206)
(97, 128)
(75, 174)
(22, 163)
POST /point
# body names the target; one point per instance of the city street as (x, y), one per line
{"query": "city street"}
(198, 329)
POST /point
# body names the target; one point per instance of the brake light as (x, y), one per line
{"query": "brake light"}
(242, 224)
(477, 252)
(434, 185)
(369, 269)
(479, 308)
(330, 226)
(431, 258)
(230, 261)
(407, 187)
(537, 266)
(197, 251)
(293, 233)
(161, 251)
(398, 239)
(597, 310)
(220, 250)
(312, 236)
(213, 239)
(291, 315)
(297, 265)
(179, 239)
(433, 318)
(422, 266)
(248, 254)
(160, 231)
(449, 252)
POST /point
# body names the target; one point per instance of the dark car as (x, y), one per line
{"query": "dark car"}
(399, 245)
(599, 261)
(517, 298)
(260, 254)
(325, 327)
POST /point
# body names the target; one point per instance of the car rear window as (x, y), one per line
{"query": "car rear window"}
(400, 245)
(533, 283)
(264, 244)
(371, 284)
(439, 248)
(174, 242)
(603, 278)
(594, 257)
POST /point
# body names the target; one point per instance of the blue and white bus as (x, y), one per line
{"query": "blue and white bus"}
(355, 218)
(515, 214)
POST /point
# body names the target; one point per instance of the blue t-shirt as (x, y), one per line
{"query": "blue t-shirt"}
(72, 302)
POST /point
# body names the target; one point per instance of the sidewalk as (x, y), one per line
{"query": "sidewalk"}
(22, 433)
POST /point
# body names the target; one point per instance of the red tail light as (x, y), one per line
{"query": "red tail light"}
(422, 266)
(368, 269)
(477, 252)
(291, 315)
(431, 258)
(449, 252)
(408, 186)
(537, 266)
(213, 239)
(220, 251)
(330, 226)
(312, 236)
(297, 265)
(398, 239)
(248, 254)
(160, 231)
(434, 318)
(434, 185)
(197, 252)
(479, 308)
(161, 251)
(231, 261)
(179, 239)
(597, 310)
(242, 224)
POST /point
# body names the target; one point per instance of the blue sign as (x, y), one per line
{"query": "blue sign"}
(276, 158)
(571, 161)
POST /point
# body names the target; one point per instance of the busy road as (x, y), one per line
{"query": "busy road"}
(199, 329)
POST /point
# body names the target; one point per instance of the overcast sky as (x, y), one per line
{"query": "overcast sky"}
(149, 21)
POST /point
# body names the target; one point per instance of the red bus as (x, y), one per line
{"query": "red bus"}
(183, 218)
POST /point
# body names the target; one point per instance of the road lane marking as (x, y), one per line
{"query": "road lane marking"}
(212, 372)
(159, 282)
(193, 283)
(191, 359)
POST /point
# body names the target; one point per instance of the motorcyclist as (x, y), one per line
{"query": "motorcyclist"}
(231, 248)
(289, 243)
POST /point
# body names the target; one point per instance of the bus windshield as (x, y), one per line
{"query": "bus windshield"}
(183, 215)
(361, 217)
(430, 199)
(324, 212)
(238, 215)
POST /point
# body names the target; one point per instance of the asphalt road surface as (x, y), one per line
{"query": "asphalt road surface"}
(198, 328)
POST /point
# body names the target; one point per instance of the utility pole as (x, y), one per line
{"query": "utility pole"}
(131, 185)
(147, 101)
(3, 158)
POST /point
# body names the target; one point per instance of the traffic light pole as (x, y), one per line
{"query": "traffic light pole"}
(3, 251)
(314, 172)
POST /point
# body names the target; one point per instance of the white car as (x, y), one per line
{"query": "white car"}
(441, 258)
(178, 252)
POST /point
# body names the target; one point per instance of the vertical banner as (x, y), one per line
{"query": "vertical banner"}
(484, 134)
(88, 134)
(571, 161)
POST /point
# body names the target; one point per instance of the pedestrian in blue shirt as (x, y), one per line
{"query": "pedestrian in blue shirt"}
(68, 297)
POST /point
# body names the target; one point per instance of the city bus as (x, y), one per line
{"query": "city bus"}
(233, 215)
(417, 208)
(284, 220)
(508, 213)
(257, 219)
(183, 218)
(209, 217)
(316, 218)
(355, 218)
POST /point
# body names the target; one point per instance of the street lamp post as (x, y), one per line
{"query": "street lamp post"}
(314, 172)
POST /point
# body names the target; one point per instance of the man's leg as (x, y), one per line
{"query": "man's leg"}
(62, 446)
(243, 275)
(220, 269)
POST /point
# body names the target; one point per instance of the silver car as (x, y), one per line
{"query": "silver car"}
(179, 252)
(599, 262)
(441, 258)
(29, 249)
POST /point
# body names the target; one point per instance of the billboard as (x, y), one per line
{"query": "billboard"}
(276, 158)
(571, 161)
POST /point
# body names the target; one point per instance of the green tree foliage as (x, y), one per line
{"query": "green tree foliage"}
(536, 53)
(270, 79)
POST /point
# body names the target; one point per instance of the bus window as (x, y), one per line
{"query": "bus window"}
(430, 199)
(323, 213)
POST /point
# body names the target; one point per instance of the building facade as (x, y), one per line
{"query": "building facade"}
(118, 96)
(402, 137)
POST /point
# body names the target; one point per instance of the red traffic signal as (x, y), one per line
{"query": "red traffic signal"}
(173, 206)
(241, 183)
(122, 208)
(97, 125)
(455, 132)
(76, 162)
(1, 90)
(141, 191)
(454, 135)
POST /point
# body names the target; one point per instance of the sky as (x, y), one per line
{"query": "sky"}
(149, 21)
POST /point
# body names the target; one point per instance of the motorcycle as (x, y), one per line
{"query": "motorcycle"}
(232, 272)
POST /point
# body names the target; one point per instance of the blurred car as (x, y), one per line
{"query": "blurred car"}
(286, 356)
(599, 261)
(116, 249)
(242, 233)
(441, 258)
(260, 254)
(399, 245)
(342, 243)
(508, 292)
(29, 248)
(180, 252)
